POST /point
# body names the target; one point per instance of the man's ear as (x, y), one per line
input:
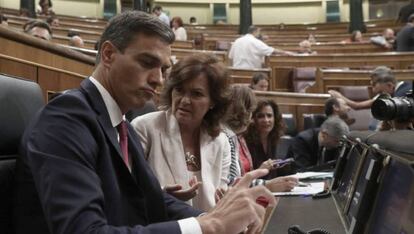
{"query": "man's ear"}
(108, 51)
(336, 108)
(391, 86)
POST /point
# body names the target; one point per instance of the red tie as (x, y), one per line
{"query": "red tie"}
(123, 141)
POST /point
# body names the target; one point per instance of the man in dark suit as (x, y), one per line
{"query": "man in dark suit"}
(82, 168)
(315, 146)
(405, 37)
(405, 12)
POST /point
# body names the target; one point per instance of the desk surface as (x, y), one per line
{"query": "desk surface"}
(306, 212)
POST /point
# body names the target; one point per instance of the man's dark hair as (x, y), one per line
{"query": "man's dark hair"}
(193, 19)
(329, 106)
(411, 18)
(39, 24)
(72, 33)
(252, 29)
(2, 18)
(122, 29)
(382, 74)
(157, 8)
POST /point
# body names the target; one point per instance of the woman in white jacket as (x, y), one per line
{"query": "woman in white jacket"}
(183, 144)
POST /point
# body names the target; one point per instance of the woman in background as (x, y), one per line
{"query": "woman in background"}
(243, 103)
(178, 29)
(260, 82)
(264, 133)
(183, 144)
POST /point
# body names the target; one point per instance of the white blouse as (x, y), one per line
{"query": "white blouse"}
(180, 34)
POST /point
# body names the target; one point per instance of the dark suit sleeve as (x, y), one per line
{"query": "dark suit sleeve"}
(178, 209)
(62, 153)
(300, 151)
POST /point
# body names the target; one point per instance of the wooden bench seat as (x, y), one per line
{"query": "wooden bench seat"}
(26, 47)
(50, 79)
(327, 79)
(282, 66)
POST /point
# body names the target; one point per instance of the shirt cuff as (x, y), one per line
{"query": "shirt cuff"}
(189, 226)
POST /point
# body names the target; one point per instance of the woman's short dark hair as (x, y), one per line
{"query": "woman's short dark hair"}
(123, 28)
(191, 67)
(243, 103)
(252, 136)
(258, 76)
(178, 20)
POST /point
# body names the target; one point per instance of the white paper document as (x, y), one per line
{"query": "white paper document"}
(310, 189)
(313, 175)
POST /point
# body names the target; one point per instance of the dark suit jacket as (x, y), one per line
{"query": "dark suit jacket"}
(405, 39)
(307, 153)
(403, 89)
(71, 157)
(305, 148)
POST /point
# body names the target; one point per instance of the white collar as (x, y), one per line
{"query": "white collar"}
(399, 84)
(112, 107)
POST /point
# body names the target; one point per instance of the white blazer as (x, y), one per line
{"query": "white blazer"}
(161, 140)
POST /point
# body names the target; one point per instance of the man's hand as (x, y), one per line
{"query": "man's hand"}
(238, 210)
(281, 184)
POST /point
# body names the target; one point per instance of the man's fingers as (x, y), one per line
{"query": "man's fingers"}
(257, 223)
(247, 179)
(262, 191)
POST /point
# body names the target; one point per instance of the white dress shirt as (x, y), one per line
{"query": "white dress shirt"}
(188, 225)
(164, 18)
(249, 52)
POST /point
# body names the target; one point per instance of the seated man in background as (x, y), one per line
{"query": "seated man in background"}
(382, 81)
(39, 29)
(161, 15)
(260, 82)
(249, 52)
(338, 107)
(82, 168)
(193, 20)
(3, 20)
(385, 40)
(315, 146)
(405, 37)
(76, 41)
(53, 21)
(305, 47)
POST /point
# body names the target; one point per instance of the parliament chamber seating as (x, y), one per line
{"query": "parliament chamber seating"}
(19, 102)
(363, 117)
(302, 78)
(313, 120)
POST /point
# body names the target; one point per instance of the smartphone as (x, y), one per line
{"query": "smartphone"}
(281, 163)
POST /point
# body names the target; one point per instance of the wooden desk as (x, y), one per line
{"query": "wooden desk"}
(306, 212)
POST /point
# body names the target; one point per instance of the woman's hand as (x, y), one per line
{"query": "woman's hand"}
(268, 164)
(183, 194)
(281, 184)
